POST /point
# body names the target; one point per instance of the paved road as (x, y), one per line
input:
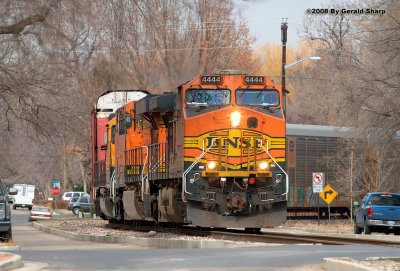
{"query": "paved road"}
(59, 253)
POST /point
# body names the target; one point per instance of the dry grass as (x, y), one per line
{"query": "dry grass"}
(9, 243)
(333, 226)
(62, 211)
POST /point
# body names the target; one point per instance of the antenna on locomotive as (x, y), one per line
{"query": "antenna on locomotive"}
(284, 28)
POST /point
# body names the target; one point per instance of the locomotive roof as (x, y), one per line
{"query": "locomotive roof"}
(113, 99)
(320, 131)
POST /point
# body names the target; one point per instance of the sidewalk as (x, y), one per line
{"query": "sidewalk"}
(10, 261)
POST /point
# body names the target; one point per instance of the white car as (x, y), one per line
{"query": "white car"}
(40, 212)
(72, 194)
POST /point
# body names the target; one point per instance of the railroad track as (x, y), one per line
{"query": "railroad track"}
(266, 236)
(302, 238)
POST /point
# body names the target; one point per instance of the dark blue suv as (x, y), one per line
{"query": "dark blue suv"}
(83, 204)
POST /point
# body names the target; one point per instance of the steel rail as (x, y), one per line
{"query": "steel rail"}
(308, 238)
(264, 236)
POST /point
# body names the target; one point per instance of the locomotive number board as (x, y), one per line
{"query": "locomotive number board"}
(211, 79)
(254, 80)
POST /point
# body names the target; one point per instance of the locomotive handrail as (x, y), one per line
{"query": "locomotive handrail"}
(273, 159)
(112, 190)
(190, 168)
(144, 165)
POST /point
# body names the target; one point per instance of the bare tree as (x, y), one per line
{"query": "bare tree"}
(360, 84)
(56, 57)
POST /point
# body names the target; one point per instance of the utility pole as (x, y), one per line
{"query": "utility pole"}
(284, 28)
(351, 184)
(284, 40)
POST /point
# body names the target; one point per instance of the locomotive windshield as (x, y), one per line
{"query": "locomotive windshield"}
(263, 97)
(208, 97)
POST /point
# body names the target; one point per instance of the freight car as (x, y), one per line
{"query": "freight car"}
(316, 148)
(211, 154)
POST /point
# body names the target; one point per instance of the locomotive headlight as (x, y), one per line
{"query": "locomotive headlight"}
(263, 165)
(211, 165)
(235, 119)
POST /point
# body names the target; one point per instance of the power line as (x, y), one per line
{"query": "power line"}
(158, 50)
(30, 155)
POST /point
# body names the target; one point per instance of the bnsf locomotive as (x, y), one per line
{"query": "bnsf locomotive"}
(211, 154)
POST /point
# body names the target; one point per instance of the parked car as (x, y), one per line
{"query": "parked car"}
(83, 204)
(379, 212)
(68, 195)
(5, 213)
(71, 203)
(39, 213)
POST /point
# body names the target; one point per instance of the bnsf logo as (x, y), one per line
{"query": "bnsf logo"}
(230, 142)
(235, 142)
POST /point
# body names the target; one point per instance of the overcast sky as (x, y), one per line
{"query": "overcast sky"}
(264, 17)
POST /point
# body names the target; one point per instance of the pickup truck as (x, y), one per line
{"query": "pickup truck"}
(379, 212)
(5, 213)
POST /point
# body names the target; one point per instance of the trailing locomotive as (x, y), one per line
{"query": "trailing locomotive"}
(211, 155)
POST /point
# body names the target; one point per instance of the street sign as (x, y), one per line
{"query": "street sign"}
(318, 179)
(55, 182)
(55, 190)
(328, 194)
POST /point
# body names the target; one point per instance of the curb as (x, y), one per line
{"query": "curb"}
(348, 264)
(344, 263)
(146, 242)
(11, 262)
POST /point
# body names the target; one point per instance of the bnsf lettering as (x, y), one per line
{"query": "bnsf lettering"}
(235, 142)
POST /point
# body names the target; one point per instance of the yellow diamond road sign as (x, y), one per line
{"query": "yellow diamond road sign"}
(328, 194)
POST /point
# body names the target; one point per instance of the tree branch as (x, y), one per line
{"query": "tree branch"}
(20, 25)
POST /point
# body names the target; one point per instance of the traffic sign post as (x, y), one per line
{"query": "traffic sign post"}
(55, 182)
(55, 190)
(328, 195)
(318, 179)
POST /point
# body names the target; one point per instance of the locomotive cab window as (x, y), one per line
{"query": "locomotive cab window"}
(207, 97)
(128, 121)
(257, 97)
(200, 101)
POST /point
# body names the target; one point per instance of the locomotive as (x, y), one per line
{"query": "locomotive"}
(211, 154)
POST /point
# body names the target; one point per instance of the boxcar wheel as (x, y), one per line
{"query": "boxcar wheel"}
(367, 229)
(357, 230)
